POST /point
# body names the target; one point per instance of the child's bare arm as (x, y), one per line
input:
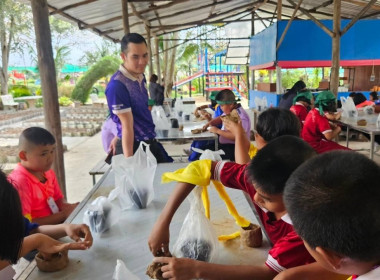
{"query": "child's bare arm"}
(221, 132)
(311, 272)
(74, 231)
(213, 122)
(60, 217)
(182, 268)
(52, 219)
(48, 245)
(158, 240)
(242, 143)
(332, 134)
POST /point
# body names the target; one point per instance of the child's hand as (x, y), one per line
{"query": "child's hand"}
(48, 245)
(112, 147)
(204, 128)
(158, 240)
(338, 115)
(206, 115)
(77, 232)
(234, 128)
(178, 268)
(214, 129)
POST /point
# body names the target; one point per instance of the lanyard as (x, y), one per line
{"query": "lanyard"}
(44, 188)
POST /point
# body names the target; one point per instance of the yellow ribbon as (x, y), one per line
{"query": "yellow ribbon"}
(252, 151)
(199, 173)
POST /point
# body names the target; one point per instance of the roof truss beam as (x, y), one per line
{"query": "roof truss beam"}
(357, 17)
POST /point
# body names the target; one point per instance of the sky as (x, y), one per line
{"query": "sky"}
(83, 41)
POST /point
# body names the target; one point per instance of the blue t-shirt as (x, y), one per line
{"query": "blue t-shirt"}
(28, 226)
(124, 95)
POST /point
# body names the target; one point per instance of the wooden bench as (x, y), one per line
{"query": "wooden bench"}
(8, 101)
(99, 169)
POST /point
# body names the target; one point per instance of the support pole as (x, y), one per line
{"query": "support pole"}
(49, 84)
(288, 25)
(279, 10)
(253, 71)
(158, 69)
(334, 79)
(149, 40)
(124, 8)
(278, 80)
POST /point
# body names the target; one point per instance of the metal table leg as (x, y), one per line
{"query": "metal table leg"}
(372, 144)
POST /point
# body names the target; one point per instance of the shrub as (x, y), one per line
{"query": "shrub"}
(65, 89)
(19, 91)
(64, 101)
(106, 66)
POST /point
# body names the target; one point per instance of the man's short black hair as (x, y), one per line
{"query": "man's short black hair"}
(131, 38)
(37, 136)
(275, 122)
(334, 203)
(12, 221)
(274, 163)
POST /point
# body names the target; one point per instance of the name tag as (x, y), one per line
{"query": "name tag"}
(53, 206)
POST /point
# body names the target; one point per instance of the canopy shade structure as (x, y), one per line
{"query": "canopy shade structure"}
(105, 17)
(307, 45)
(237, 52)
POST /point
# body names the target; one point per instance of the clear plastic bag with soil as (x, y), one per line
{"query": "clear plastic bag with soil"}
(134, 178)
(197, 238)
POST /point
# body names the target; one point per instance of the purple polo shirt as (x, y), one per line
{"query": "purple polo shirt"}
(126, 93)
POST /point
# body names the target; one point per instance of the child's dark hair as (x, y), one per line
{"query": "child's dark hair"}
(131, 38)
(274, 163)
(12, 229)
(226, 96)
(374, 95)
(275, 122)
(153, 78)
(37, 136)
(333, 201)
(329, 106)
(358, 98)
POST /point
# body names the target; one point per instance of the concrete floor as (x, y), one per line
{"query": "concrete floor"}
(82, 155)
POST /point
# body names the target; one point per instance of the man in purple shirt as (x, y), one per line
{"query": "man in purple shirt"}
(127, 99)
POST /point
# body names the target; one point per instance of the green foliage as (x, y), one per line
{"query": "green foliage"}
(64, 101)
(61, 55)
(106, 66)
(39, 103)
(15, 27)
(19, 91)
(105, 49)
(65, 89)
(34, 88)
(290, 77)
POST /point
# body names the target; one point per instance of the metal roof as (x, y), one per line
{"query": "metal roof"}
(104, 17)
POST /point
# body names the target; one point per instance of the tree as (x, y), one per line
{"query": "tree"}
(106, 66)
(105, 49)
(15, 21)
(61, 55)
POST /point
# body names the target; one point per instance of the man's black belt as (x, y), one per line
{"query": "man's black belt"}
(148, 141)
